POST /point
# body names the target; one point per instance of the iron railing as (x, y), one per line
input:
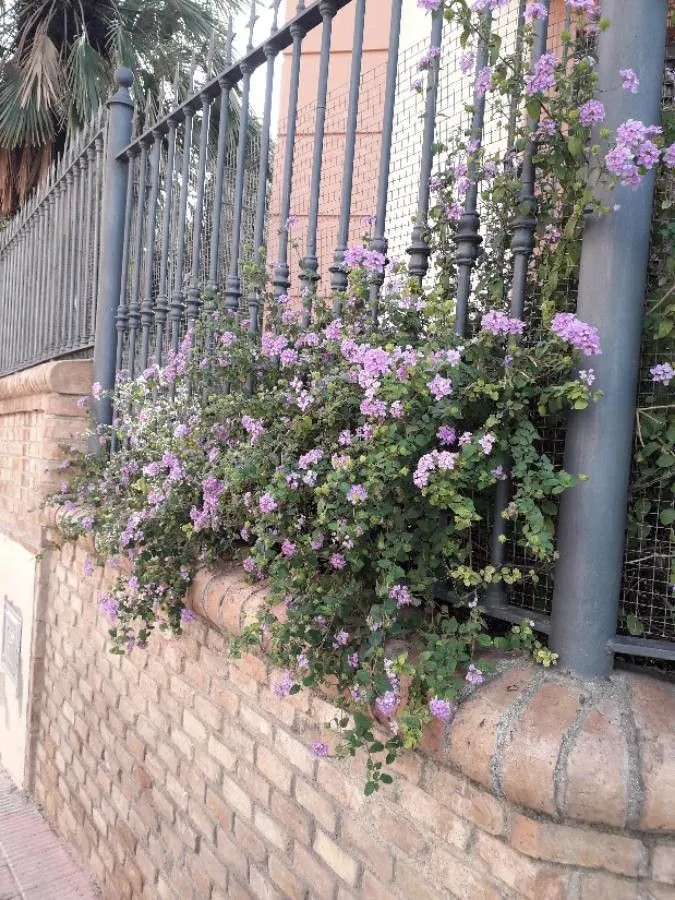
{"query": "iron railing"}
(49, 256)
(186, 202)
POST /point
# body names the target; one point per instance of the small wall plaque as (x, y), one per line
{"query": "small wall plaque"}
(11, 640)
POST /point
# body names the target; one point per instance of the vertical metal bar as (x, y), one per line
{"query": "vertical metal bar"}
(468, 237)
(120, 113)
(137, 261)
(233, 284)
(281, 280)
(522, 244)
(51, 269)
(39, 301)
(193, 295)
(614, 258)
(379, 241)
(419, 250)
(310, 264)
(338, 276)
(122, 315)
(162, 305)
(74, 233)
(81, 255)
(98, 225)
(88, 227)
(67, 257)
(147, 311)
(176, 308)
(261, 199)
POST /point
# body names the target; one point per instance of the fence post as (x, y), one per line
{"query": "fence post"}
(120, 115)
(592, 522)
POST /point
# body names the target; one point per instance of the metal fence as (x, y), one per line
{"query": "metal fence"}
(186, 200)
(49, 260)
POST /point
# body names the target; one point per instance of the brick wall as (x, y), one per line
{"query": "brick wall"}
(38, 416)
(177, 773)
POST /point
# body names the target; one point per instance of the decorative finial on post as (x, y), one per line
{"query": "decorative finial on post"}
(253, 18)
(274, 5)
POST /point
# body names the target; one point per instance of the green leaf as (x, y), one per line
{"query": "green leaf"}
(634, 626)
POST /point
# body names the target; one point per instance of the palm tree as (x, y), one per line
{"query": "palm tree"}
(56, 59)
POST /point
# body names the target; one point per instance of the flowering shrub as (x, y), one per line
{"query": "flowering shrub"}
(359, 475)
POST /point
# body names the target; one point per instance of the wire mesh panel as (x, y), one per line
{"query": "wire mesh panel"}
(49, 256)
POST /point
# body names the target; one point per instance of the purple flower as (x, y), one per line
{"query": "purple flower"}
(401, 594)
(465, 438)
(319, 748)
(587, 377)
(82, 402)
(187, 616)
(96, 390)
(386, 704)
(353, 660)
(474, 675)
(542, 78)
(447, 435)
(302, 661)
(181, 431)
(663, 373)
(467, 61)
(337, 561)
(499, 323)
(428, 5)
(253, 427)
(425, 465)
(480, 5)
(291, 222)
(440, 387)
(88, 567)
(310, 458)
(396, 410)
(487, 442)
(440, 709)
(316, 542)
(483, 81)
(357, 494)
(591, 113)
(267, 503)
(288, 548)
(342, 638)
(282, 686)
(345, 438)
(577, 333)
(630, 80)
(498, 473)
(445, 461)
(453, 211)
(427, 57)
(535, 11)
(109, 606)
(669, 157)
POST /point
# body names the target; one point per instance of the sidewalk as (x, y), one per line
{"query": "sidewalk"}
(34, 864)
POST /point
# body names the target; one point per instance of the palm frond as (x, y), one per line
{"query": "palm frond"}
(87, 79)
(41, 70)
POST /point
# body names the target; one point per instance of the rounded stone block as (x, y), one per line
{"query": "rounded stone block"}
(653, 709)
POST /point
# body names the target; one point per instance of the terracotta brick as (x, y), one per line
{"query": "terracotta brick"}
(376, 857)
(597, 775)
(194, 728)
(274, 768)
(535, 881)
(249, 842)
(474, 728)
(316, 874)
(607, 887)
(234, 859)
(261, 887)
(465, 800)
(430, 813)
(405, 836)
(271, 830)
(211, 867)
(285, 880)
(316, 804)
(533, 745)
(333, 782)
(236, 798)
(252, 666)
(253, 722)
(218, 809)
(656, 891)
(653, 705)
(335, 856)
(578, 846)
(255, 785)
(208, 713)
(296, 753)
(461, 877)
(663, 863)
(411, 882)
(292, 818)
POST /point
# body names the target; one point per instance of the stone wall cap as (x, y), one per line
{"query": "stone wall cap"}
(68, 377)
